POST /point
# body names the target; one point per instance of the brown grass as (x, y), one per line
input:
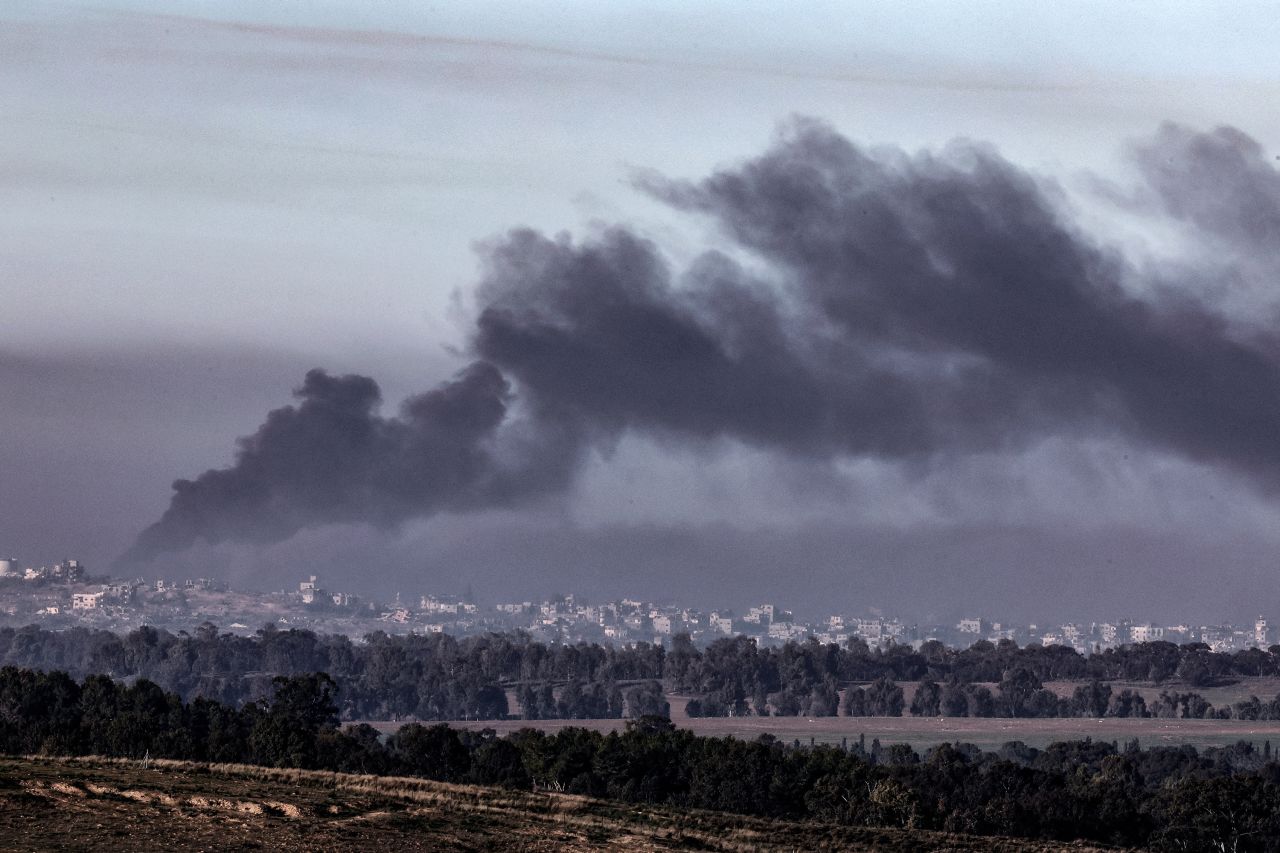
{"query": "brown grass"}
(171, 805)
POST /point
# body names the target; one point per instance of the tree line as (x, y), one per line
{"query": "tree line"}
(1165, 798)
(382, 677)
(440, 677)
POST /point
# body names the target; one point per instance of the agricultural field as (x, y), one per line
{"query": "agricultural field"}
(987, 733)
(100, 804)
(1265, 688)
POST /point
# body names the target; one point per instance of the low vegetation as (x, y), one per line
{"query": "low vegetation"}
(1164, 798)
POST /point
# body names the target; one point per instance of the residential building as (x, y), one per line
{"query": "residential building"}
(86, 600)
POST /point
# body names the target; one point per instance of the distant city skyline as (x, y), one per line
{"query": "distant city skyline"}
(67, 594)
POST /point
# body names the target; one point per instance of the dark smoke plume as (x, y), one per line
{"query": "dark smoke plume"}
(910, 307)
(930, 304)
(1220, 182)
(332, 458)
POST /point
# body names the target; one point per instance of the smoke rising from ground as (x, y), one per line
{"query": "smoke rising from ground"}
(332, 458)
(877, 304)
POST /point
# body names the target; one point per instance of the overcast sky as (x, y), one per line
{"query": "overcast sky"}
(201, 202)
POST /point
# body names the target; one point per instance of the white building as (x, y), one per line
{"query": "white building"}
(522, 607)
(310, 590)
(1146, 633)
(871, 630)
(86, 600)
(1113, 634)
(786, 631)
(431, 604)
(895, 629)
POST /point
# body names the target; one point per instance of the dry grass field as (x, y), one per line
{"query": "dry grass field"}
(100, 804)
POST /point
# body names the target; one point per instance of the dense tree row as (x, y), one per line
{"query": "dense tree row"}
(1167, 798)
(733, 671)
(1021, 694)
(438, 677)
(431, 677)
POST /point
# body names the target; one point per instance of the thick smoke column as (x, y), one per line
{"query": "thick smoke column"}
(910, 307)
(332, 458)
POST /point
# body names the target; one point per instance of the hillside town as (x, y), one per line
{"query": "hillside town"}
(65, 594)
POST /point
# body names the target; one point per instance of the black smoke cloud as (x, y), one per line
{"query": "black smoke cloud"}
(332, 458)
(879, 304)
(931, 304)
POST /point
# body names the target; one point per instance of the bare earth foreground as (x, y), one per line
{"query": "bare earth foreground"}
(102, 804)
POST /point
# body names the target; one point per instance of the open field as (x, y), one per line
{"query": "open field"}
(1265, 688)
(987, 733)
(100, 804)
(1239, 689)
(922, 733)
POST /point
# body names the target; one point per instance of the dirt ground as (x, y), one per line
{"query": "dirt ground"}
(88, 804)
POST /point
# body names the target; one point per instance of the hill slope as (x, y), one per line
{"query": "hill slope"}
(93, 804)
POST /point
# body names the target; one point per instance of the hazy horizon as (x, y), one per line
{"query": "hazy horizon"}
(939, 311)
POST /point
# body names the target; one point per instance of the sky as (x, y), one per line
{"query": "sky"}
(940, 309)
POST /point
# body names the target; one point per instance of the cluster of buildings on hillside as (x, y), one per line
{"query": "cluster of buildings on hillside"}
(569, 619)
(68, 571)
(64, 594)
(1093, 636)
